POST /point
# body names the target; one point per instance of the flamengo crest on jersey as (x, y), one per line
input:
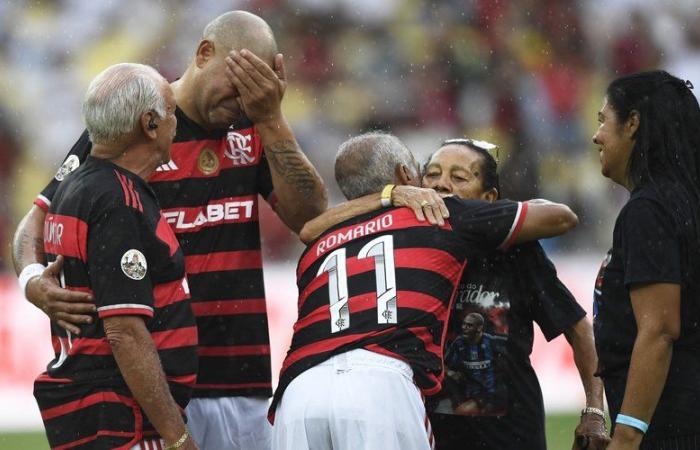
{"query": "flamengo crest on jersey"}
(69, 165)
(240, 149)
(134, 264)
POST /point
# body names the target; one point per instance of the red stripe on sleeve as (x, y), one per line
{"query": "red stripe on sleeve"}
(125, 312)
(41, 204)
(519, 220)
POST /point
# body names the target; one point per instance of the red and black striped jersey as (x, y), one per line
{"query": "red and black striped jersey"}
(106, 223)
(385, 282)
(209, 196)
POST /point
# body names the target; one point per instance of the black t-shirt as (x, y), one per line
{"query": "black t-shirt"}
(491, 398)
(648, 248)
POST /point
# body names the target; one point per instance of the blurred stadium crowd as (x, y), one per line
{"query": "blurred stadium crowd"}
(527, 75)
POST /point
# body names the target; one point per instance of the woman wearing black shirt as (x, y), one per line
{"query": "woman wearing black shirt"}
(647, 302)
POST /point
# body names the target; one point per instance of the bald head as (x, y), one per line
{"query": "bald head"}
(117, 97)
(366, 163)
(235, 30)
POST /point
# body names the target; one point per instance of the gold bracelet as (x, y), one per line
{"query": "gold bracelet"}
(386, 195)
(180, 442)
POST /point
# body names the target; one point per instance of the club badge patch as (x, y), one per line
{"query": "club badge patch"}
(69, 165)
(208, 162)
(134, 264)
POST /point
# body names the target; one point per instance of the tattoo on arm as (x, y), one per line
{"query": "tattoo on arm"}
(18, 254)
(24, 244)
(38, 249)
(288, 161)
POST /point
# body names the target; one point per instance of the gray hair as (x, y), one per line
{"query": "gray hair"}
(366, 163)
(118, 97)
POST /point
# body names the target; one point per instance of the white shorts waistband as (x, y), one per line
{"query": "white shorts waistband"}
(362, 357)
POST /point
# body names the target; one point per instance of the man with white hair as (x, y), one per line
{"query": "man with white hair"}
(125, 379)
(233, 144)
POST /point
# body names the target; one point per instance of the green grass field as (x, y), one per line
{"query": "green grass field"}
(560, 431)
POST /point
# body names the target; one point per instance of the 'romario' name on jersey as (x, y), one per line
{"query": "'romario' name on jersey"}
(340, 237)
(191, 218)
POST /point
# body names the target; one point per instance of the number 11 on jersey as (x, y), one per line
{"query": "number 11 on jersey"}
(382, 250)
(335, 265)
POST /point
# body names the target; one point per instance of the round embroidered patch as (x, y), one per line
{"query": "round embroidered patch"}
(69, 165)
(134, 264)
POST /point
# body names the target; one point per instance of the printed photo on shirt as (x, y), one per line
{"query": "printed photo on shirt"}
(475, 354)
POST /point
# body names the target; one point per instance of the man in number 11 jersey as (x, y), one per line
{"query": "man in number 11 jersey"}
(375, 293)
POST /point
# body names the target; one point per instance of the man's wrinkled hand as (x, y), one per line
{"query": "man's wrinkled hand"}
(425, 203)
(590, 434)
(69, 309)
(260, 87)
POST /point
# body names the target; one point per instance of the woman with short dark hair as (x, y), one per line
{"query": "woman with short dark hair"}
(647, 298)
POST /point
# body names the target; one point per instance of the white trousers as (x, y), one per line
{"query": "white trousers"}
(357, 400)
(229, 423)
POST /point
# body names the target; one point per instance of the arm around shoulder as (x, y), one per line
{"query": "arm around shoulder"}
(545, 219)
(426, 204)
(67, 308)
(28, 241)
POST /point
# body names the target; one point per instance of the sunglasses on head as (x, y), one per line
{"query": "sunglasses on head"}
(491, 149)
